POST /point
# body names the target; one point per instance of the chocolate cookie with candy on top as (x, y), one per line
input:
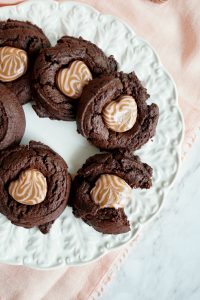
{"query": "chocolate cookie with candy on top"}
(103, 187)
(12, 118)
(61, 73)
(34, 185)
(20, 42)
(113, 112)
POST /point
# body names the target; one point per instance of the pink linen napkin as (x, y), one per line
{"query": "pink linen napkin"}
(173, 29)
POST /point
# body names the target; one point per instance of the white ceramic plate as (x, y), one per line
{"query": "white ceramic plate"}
(71, 241)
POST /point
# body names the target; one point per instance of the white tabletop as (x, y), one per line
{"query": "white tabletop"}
(165, 262)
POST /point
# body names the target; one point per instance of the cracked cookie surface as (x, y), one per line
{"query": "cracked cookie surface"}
(12, 118)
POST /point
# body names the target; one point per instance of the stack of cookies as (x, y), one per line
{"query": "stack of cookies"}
(72, 81)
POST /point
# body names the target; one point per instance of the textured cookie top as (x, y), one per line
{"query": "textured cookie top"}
(22, 35)
(12, 118)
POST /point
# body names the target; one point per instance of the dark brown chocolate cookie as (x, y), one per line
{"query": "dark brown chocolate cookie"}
(126, 167)
(34, 156)
(28, 37)
(12, 118)
(50, 101)
(99, 93)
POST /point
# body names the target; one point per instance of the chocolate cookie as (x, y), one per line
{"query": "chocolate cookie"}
(113, 112)
(14, 36)
(61, 73)
(12, 118)
(103, 186)
(34, 185)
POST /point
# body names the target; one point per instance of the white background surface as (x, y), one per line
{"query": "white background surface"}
(165, 262)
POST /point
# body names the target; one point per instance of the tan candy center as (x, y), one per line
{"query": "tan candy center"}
(13, 63)
(30, 188)
(111, 191)
(72, 80)
(120, 115)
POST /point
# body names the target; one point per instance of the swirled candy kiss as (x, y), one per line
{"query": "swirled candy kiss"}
(120, 115)
(13, 63)
(30, 188)
(72, 80)
(110, 191)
